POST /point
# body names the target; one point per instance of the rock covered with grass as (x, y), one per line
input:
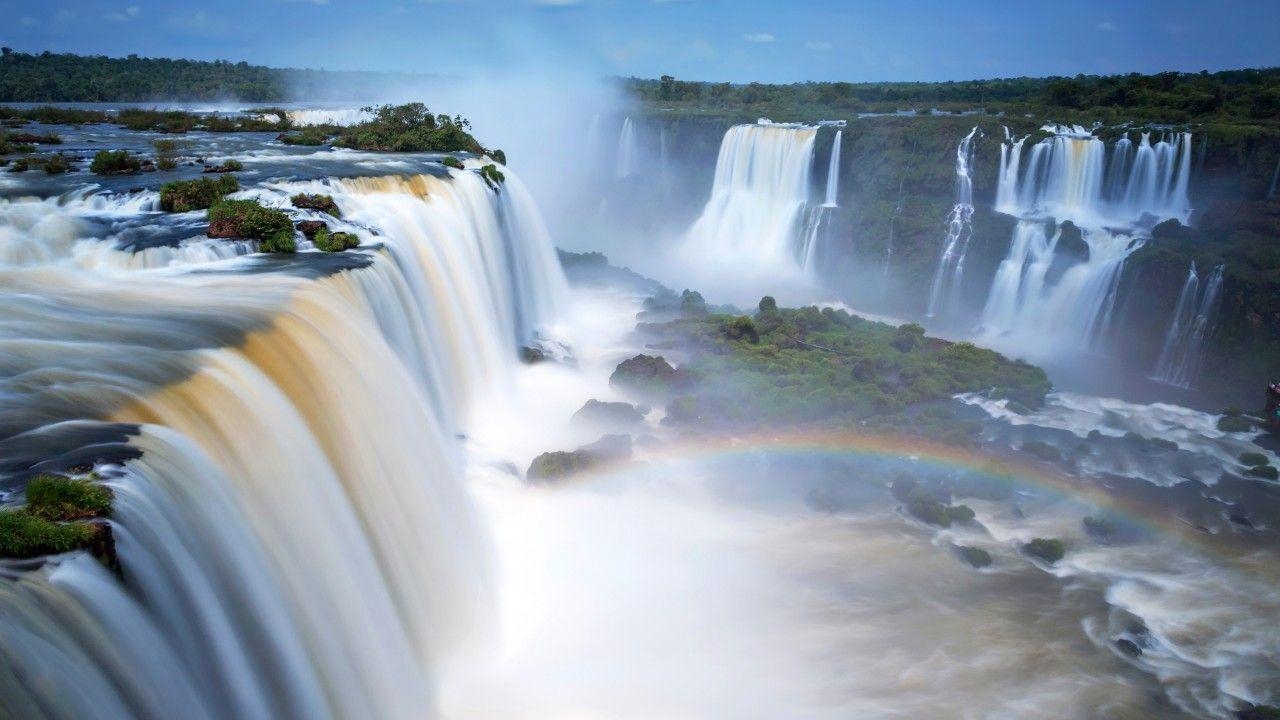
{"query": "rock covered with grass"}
(329, 241)
(610, 415)
(1050, 550)
(248, 219)
(562, 464)
(317, 202)
(115, 162)
(60, 515)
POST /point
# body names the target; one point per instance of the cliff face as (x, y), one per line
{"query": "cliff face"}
(897, 186)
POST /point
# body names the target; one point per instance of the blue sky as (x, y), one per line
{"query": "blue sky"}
(735, 40)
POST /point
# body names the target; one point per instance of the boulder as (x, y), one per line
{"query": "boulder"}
(612, 416)
(1050, 550)
(646, 375)
(976, 557)
(309, 228)
(563, 464)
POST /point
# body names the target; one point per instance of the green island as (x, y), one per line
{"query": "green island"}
(61, 514)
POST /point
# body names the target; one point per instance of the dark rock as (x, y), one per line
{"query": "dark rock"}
(608, 415)
(1128, 647)
(1259, 712)
(532, 355)
(561, 464)
(309, 228)
(977, 557)
(1050, 550)
(1042, 450)
(647, 375)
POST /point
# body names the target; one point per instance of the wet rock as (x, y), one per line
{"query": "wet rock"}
(648, 375)
(1128, 647)
(309, 228)
(976, 557)
(610, 415)
(561, 464)
(1042, 450)
(1050, 550)
(1259, 712)
(532, 355)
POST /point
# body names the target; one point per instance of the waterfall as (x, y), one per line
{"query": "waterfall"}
(297, 427)
(1192, 321)
(833, 173)
(946, 279)
(1114, 199)
(628, 150)
(758, 211)
(1275, 178)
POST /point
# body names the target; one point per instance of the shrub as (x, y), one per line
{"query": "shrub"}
(335, 241)
(322, 203)
(409, 128)
(1051, 550)
(692, 303)
(977, 557)
(742, 328)
(248, 219)
(53, 497)
(493, 177)
(114, 162)
(201, 194)
(452, 162)
(1234, 424)
(56, 164)
(310, 136)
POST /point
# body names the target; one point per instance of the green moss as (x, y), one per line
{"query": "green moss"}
(1050, 550)
(321, 203)
(960, 513)
(201, 194)
(335, 241)
(977, 557)
(1266, 472)
(452, 162)
(53, 497)
(1232, 424)
(114, 162)
(409, 128)
(248, 219)
(493, 177)
(23, 535)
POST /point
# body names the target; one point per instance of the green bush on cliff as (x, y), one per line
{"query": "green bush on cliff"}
(115, 162)
(321, 203)
(450, 161)
(335, 241)
(188, 195)
(409, 128)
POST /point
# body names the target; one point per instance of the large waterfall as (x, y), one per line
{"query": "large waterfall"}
(833, 173)
(289, 516)
(946, 279)
(1193, 317)
(628, 163)
(758, 213)
(1113, 199)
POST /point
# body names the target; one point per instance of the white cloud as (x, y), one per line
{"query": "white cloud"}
(28, 21)
(132, 11)
(313, 2)
(557, 3)
(1108, 26)
(818, 45)
(758, 37)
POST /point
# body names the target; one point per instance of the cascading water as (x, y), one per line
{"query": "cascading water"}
(946, 280)
(758, 214)
(294, 438)
(1113, 201)
(1193, 317)
(628, 150)
(833, 173)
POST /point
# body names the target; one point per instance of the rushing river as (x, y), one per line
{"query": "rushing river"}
(320, 513)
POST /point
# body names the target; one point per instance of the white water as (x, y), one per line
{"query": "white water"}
(833, 173)
(1114, 200)
(758, 217)
(628, 150)
(950, 272)
(284, 477)
(1193, 317)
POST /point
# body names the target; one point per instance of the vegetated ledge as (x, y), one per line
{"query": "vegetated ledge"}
(61, 514)
(826, 367)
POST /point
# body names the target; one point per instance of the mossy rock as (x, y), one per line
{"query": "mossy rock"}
(1253, 459)
(115, 162)
(492, 176)
(1265, 472)
(320, 203)
(976, 557)
(1042, 450)
(335, 241)
(57, 519)
(742, 328)
(53, 497)
(561, 464)
(646, 375)
(450, 161)
(1050, 550)
(611, 415)
(226, 166)
(248, 219)
(190, 195)
(960, 513)
(1234, 424)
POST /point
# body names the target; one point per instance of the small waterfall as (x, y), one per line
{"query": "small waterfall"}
(1193, 316)
(833, 173)
(758, 213)
(628, 150)
(946, 280)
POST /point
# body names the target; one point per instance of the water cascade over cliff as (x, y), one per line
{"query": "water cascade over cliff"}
(287, 442)
(946, 280)
(628, 150)
(1193, 316)
(759, 211)
(1112, 199)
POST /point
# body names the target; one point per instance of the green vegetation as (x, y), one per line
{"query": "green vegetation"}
(202, 194)
(452, 162)
(561, 464)
(408, 128)
(929, 504)
(308, 136)
(30, 139)
(492, 176)
(646, 376)
(1252, 95)
(321, 203)
(54, 520)
(1050, 550)
(226, 166)
(1265, 472)
(115, 162)
(808, 364)
(166, 153)
(335, 241)
(248, 219)
(977, 557)
(8, 147)
(1232, 424)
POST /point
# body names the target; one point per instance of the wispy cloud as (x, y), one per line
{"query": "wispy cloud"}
(759, 37)
(821, 45)
(313, 2)
(1108, 26)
